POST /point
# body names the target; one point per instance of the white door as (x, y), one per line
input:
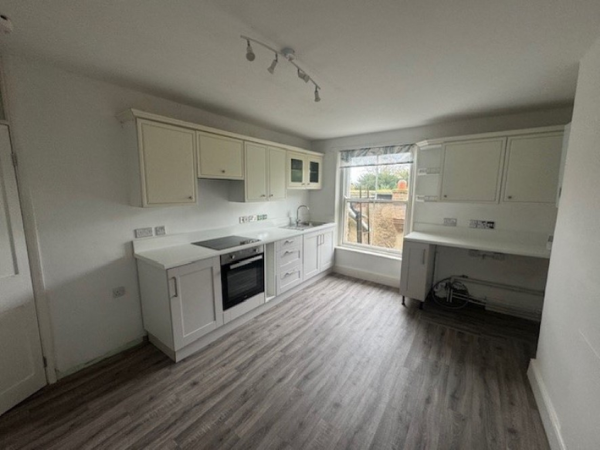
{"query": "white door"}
(196, 300)
(326, 250)
(296, 170)
(168, 160)
(415, 276)
(472, 170)
(277, 158)
(220, 157)
(313, 166)
(256, 172)
(311, 255)
(21, 363)
(533, 168)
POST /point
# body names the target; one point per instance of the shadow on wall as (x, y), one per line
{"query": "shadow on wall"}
(91, 327)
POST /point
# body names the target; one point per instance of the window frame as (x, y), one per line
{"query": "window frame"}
(344, 200)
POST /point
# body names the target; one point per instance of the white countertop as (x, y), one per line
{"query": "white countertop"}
(511, 244)
(179, 250)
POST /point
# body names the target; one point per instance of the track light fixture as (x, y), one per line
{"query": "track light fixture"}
(289, 54)
(250, 56)
(271, 68)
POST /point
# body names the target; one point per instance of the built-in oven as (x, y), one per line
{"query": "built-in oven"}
(242, 275)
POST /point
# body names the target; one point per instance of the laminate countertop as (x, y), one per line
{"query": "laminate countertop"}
(511, 244)
(179, 250)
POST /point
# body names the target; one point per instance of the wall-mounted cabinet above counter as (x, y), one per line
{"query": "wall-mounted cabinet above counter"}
(516, 166)
(166, 156)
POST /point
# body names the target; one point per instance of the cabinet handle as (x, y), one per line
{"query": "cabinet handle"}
(287, 274)
(509, 197)
(270, 195)
(191, 197)
(424, 253)
(288, 242)
(222, 170)
(288, 252)
(445, 196)
(263, 195)
(176, 294)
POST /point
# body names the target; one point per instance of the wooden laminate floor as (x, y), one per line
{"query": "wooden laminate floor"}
(340, 365)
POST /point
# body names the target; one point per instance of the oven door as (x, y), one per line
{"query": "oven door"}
(242, 279)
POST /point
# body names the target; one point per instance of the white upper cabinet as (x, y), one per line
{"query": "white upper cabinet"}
(265, 175)
(167, 164)
(256, 172)
(304, 171)
(277, 190)
(471, 170)
(220, 157)
(532, 168)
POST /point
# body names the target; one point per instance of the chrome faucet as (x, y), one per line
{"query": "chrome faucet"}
(298, 221)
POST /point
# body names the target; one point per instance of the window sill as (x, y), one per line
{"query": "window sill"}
(371, 252)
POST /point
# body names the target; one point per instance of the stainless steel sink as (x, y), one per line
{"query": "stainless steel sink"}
(304, 226)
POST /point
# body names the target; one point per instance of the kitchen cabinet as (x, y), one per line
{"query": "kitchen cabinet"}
(532, 168)
(220, 157)
(318, 252)
(265, 175)
(289, 264)
(417, 270)
(181, 305)
(164, 167)
(304, 171)
(472, 170)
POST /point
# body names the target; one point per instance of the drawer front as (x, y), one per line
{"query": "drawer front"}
(289, 258)
(288, 243)
(288, 278)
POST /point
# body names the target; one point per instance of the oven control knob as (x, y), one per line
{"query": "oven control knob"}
(232, 257)
(255, 250)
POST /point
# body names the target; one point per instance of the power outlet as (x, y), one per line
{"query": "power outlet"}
(160, 230)
(118, 292)
(143, 232)
(262, 217)
(482, 224)
(450, 222)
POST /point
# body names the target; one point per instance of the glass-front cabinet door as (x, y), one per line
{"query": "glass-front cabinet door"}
(314, 172)
(296, 168)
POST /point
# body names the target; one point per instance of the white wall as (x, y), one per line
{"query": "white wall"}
(324, 204)
(72, 158)
(566, 373)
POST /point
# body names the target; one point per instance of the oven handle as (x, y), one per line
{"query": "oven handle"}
(246, 262)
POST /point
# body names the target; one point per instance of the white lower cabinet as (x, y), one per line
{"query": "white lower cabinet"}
(289, 256)
(417, 270)
(318, 252)
(182, 304)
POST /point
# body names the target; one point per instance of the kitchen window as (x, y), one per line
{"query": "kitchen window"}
(376, 197)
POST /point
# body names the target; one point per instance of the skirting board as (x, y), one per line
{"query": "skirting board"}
(368, 276)
(547, 411)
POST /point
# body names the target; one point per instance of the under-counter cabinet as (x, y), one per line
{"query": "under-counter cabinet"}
(304, 171)
(417, 270)
(472, 170)
(265, 175)
(182, 304)
(532, 168)
(289, 263)
(164, 165)
(318, 252)
(220, 157)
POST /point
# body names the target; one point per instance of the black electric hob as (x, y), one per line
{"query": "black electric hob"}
(225, 242)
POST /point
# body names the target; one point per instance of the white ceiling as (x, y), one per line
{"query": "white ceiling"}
(382, 64)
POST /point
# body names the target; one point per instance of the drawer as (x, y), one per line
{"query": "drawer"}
(292, 242)
(289, 278)
(290, 257)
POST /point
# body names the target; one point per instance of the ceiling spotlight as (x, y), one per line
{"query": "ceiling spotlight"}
(250, 56)
(303, 75)
(271, 68)
(290, 56)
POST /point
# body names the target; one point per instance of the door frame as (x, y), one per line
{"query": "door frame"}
(31, 237)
